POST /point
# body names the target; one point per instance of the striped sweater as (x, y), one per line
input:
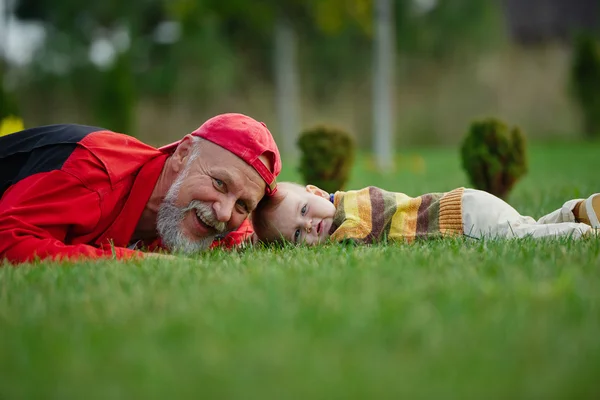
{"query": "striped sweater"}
(373, 215)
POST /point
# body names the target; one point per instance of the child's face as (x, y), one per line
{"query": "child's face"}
(304, 216)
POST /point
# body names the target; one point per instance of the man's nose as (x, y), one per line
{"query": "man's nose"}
(223, 209)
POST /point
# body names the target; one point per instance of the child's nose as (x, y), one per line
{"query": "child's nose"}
(308, 226)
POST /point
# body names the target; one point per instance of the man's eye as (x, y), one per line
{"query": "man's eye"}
(218, 182)
(242, 205)
(303, 211)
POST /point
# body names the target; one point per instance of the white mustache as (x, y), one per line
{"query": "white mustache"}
(207, 215)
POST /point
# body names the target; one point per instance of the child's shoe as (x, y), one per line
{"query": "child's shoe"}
(588, 211)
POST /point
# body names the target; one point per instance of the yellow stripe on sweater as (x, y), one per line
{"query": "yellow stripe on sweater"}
(404, 221)
(411, 222)
(360, 205)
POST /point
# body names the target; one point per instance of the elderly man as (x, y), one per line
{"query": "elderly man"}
(72, 191)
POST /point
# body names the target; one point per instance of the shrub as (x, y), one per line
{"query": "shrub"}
(585, 83)
(494, 156)
(327, 155)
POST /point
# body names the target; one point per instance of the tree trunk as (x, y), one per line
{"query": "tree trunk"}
(286, 81)
(383, 85)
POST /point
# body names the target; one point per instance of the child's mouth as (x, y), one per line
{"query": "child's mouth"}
(319, 227)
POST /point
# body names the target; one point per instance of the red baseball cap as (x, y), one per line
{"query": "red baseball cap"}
(246, 138)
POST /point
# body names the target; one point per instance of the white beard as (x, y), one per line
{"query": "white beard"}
(170, 218)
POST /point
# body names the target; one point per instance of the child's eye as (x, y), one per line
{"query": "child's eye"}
(296, 235)
(303, 211)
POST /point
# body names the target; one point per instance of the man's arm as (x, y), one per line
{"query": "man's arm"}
(43, 212)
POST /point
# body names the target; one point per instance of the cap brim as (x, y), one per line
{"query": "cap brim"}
(169, 148)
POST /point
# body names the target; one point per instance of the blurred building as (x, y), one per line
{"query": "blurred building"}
(538, 21)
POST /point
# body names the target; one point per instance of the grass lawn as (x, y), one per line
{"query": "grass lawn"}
(439, 320)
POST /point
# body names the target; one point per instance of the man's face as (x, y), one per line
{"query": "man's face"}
(304, 216)
(213, 194)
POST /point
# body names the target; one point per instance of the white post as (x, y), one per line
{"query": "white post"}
(383, 85)
(286, 82)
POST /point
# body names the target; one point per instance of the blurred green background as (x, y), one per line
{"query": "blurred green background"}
(157, 69)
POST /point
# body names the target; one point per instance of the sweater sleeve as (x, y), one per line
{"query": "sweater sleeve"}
(352, 216)
(350, 230)
(39, 213)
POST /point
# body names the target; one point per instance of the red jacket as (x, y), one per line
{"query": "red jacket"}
(69, 191)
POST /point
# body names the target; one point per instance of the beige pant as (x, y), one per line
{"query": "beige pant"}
(487, 216)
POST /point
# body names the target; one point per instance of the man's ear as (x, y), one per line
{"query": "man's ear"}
(317, 191)
(182, 152)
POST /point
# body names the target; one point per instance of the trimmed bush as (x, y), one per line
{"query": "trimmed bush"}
(494, 156)
(585, 83)
(327, 155)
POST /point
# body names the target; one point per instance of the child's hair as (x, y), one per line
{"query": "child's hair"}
(263, 226)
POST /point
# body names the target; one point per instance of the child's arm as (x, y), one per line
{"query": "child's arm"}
(353, 230)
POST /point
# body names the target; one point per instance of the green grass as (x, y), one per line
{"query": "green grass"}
(444, 319)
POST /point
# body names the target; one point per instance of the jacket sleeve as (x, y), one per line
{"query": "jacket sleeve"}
(39, 214)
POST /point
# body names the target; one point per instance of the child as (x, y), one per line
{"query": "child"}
(310, 215)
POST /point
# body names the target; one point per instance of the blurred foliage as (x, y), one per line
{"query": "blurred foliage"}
(327, 155)
(226, 47)
(444, 29)
(8, 103)
(585, 82)
(494, 156)
(116, 99)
